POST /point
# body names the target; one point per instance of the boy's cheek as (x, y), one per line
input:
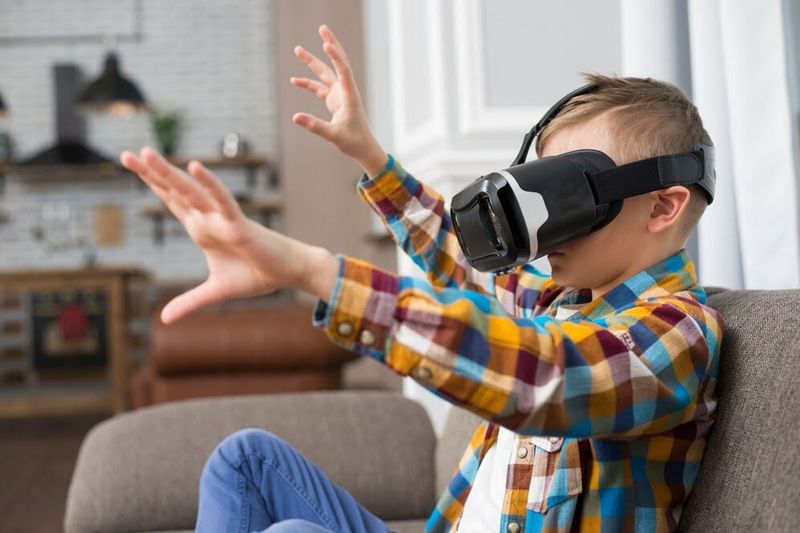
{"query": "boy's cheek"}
(582, 263)
(559, 270)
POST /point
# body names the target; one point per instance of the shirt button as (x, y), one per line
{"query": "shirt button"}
(367, 337)
(522, 452)
(513, 527)
(422, 372)
(344, 329)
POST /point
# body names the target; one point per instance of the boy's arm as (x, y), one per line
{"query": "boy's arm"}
(641, 371)
(418, 221)
(413, 212)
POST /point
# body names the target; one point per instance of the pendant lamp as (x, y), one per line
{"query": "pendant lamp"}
(112, 92)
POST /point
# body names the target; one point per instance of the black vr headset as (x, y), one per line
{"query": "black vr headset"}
(512, 216)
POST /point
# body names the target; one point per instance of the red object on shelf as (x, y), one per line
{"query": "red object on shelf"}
(73, 322)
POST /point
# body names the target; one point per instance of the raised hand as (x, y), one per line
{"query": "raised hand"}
(348, 128)
(243, 257)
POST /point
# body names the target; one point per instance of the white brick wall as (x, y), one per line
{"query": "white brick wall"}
(213, 60)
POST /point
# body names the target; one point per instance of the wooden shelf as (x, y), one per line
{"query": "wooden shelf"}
(251, 163)
(67, 172)
(243, 161)
(10, 278)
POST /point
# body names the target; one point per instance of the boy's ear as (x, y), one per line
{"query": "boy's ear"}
(666, 207)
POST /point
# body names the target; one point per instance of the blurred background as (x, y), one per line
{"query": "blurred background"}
(88, 255)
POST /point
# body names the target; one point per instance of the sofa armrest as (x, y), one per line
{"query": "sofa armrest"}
(139, 471)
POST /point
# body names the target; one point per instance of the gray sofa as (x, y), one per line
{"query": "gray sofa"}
(139, 471)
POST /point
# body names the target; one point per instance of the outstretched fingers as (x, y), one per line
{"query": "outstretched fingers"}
(336, 52)
(132, 162)
(317, 66)
(316, 87)
(328, 36)
(187, 188)
(222, 196)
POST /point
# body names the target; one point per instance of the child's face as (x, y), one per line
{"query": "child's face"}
(611, 254)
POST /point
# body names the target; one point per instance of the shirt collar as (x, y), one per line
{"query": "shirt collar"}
(673, 274)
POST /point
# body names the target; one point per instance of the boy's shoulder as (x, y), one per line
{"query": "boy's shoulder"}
(693, 302)
(676, 322)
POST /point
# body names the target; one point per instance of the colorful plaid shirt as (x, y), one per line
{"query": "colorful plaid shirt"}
(612, 405)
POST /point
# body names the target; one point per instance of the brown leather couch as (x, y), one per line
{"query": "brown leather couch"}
(241, 351)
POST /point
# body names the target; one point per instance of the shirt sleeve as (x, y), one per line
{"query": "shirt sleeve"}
(417, 220)
(639, 371)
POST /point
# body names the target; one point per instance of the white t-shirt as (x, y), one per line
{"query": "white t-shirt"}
(482, 509)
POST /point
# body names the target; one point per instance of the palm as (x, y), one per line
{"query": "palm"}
(221, 240)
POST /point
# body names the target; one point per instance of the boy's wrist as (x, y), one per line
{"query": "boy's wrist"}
(320, 270)
(374, 160)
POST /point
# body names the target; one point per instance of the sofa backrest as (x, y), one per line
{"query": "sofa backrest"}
(750, 476)
(458, 429)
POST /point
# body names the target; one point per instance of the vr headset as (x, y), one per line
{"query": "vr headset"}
(512, 216)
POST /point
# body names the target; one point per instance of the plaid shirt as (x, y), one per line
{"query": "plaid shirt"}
(612, 405)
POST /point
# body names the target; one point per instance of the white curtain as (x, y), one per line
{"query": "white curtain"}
(748, 237)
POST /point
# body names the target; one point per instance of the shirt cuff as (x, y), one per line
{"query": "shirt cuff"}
(386, 192)
(387, 168)
(322, 311)
(359, 314)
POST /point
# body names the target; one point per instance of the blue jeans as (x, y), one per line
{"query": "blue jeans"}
(254, 481)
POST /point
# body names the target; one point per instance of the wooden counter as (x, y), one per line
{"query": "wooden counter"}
(113, 281)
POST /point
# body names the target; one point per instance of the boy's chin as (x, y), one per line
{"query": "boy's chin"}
(561, 276)
(557, 273)
(559, 280)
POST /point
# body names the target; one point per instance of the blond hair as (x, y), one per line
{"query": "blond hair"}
(645, 118)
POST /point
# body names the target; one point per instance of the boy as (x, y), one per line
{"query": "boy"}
(596, 385)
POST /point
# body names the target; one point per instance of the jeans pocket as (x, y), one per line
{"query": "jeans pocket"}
(556, 474)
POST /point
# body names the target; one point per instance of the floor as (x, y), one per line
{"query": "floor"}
(37, 456)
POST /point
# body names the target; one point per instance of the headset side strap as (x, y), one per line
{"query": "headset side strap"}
(647, 175)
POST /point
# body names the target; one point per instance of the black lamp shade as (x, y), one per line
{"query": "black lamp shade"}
(111, 92)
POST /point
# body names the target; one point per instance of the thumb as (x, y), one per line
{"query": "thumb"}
(190, 301)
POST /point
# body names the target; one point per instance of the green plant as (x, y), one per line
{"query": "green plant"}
(166, 129)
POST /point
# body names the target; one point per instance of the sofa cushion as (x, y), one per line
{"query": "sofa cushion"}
(140, 471)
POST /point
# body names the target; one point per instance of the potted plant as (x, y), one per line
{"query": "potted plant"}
(166, 129)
